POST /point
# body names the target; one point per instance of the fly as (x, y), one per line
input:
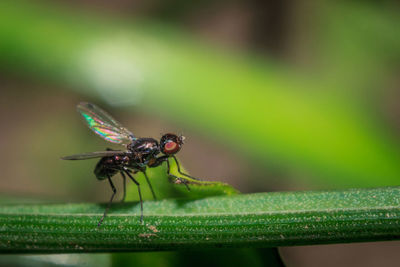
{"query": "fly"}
(137, 155)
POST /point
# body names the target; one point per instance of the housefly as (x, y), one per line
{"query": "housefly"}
(138, 153)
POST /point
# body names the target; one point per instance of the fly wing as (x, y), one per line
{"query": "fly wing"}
(91, 155)
(104, 125)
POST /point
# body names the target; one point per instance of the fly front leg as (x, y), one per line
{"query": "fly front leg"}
(178, 180)
(179, 170)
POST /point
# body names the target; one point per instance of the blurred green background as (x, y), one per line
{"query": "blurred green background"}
(271, 95)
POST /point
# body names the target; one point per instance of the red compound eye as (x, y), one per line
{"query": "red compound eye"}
(171, 147)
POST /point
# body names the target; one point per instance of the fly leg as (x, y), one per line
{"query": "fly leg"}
(109, 203)
(124, 181)
(178, 180)
(148, 182)
(179, 170)
(140, 193)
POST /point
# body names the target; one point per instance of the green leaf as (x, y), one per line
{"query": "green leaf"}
(254, 220)
(167, 187)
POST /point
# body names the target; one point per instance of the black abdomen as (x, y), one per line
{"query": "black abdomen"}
(105, 168)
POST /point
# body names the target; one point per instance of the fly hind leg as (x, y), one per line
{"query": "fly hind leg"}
(109, 203)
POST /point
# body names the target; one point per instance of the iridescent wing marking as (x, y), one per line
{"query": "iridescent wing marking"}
(104, 125)
(97, 154)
